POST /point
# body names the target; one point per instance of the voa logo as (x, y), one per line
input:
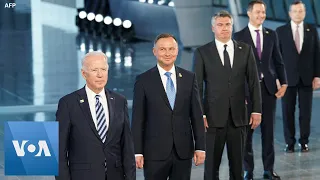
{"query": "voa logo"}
(41, 148)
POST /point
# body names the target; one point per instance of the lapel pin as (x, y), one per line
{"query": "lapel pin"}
(308, 29)
(111, 98)
(267, 32)
(81, 101)
(180, 75)
(240, 47)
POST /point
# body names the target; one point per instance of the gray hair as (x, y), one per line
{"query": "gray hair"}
(296, 3)
(222, 13)
(94, 53)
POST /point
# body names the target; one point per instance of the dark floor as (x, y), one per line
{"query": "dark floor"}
(39, 66)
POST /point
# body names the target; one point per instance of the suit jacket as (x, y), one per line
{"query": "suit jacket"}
(306, 65)
(82, 153)
(271, 64)
(156, 127)
(222, 93)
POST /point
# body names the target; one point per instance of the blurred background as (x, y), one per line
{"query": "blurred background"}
(42, 43)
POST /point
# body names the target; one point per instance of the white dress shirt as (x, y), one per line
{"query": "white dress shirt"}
(164, 78)
(92, 104)
(254, 35)
(230, 50)
(301, 32)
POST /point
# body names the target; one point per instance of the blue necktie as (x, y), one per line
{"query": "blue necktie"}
(171, 92)
(101, 120)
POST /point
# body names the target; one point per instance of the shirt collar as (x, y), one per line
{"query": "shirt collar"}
(294, 25)
(220, 44)
(162, 71)
(252, 28)
(92, 95)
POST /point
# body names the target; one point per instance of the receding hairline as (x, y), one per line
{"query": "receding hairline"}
(297, 3)
(91, 54)
(164, 36)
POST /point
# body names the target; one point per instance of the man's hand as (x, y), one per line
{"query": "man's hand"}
(199, 157)
(281, 91)
(316, 83)
(255, 120)
(139, 162)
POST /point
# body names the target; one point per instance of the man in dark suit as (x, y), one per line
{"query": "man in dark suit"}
(299, 45)
(224, 65)
(270, 67)
(167, 123)
(95, 141)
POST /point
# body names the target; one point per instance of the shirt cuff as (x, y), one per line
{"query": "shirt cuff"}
(256, 113)
(200, 151)
(204, 116)
(136, 155)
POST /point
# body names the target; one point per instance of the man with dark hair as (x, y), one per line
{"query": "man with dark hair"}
(222, 66)
(253, 2)
(299, 45)
(167, 122)
(270, 68)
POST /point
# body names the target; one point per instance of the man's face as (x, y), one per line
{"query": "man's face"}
(166, 51)
(222, 28)
(297, 13)
(95, 72)
(257, 15)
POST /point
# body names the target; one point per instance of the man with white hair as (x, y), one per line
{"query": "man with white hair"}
(94, 135)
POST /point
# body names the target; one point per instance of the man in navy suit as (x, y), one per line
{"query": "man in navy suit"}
(95, 141)
(167, 122)
(270, 67)
(299, 45)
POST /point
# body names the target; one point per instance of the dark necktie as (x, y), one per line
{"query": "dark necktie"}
(226, 58)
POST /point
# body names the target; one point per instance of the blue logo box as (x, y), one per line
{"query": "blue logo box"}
(31, 148)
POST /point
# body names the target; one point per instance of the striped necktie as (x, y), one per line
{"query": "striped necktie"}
(101, 120)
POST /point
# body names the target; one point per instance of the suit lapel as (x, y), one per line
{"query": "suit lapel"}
(306, 32)
(84, 104)
(266, 42)
(290, 36)
(159, 86)
(249, 41)
(214, 53)
(179, 87)
(111, 107)
(236, 61)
